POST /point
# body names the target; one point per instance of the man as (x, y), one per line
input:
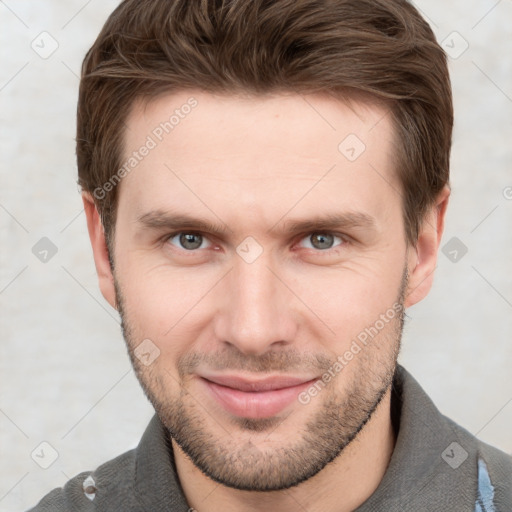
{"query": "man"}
(265, 184)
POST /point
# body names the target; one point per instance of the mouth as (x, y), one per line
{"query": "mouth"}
(251, 398)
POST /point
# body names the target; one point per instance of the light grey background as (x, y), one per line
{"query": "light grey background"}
(65, 378)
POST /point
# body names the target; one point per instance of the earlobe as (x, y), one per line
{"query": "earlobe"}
(99, 249)
(422, 258)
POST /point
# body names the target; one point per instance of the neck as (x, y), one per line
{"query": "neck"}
(341, 486)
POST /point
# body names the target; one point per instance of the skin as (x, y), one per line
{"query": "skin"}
(253, 165)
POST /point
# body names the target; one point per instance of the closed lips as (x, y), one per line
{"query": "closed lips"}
(262, 385)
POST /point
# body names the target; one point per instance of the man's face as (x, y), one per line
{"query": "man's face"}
(308, 252)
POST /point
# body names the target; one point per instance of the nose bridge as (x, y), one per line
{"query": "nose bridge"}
(255, 314)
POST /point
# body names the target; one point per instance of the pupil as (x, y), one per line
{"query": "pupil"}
(324, 241)
(187, 241)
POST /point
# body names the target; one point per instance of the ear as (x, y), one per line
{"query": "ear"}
(99, 249)
(422, 258)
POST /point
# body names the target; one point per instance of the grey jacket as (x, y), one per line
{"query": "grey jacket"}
(436, 466)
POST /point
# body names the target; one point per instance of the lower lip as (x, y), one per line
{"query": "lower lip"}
(255, 404)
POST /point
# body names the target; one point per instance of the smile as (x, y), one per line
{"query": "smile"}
(255, 399)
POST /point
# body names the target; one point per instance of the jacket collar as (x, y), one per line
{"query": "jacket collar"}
(434, 463)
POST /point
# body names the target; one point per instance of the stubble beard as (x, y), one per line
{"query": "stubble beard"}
(340, 416)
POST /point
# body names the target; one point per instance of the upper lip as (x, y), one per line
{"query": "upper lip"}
(252, 384)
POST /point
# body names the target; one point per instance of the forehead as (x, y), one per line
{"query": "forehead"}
(215, 115)
(256, 152)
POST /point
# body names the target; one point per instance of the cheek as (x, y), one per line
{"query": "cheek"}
(166, 305)
(349, 299)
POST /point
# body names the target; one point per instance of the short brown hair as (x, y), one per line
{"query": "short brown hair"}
(383, 48)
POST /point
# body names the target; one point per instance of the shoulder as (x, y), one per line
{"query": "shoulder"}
(495, 475)
(471, 468)
(142, 479)
(494, 467)
(112, 482)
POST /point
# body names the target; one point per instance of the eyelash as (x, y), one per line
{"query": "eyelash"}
(344, 240)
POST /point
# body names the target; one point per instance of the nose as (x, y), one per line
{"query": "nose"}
(256, 312)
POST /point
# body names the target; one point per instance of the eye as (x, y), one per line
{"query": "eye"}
(322, 241)
(188, 241)
(191, 241)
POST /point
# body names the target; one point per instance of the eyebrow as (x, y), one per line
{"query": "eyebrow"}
(158, 220)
